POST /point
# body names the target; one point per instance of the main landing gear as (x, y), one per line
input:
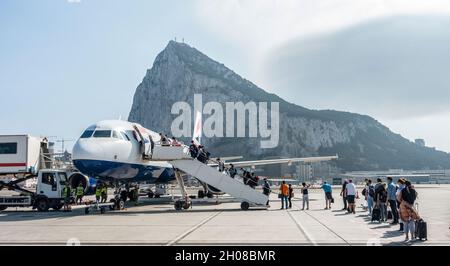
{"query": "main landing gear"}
(186, 202)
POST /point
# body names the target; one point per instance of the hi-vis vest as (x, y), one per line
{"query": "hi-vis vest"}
(98, 191)
(80, 191)
(66, 192)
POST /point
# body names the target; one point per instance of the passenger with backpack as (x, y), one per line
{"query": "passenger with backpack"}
(232, 171)
(381, 200)
(193, 150)
(408, 213)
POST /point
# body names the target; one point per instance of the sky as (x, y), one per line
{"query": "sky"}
(65, 64)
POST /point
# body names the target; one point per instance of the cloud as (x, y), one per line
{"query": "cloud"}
(390, 68)
(259, 25)
(433, 128)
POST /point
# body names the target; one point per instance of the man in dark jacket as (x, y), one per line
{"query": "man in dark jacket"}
(344, 197)
(291, 195)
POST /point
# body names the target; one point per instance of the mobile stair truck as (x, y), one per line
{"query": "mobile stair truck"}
(23, 157)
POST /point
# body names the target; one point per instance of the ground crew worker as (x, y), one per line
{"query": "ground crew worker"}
(104, 193)
(80, 194)
(136, 196)
(98, 192)
(66, 197)
(266, 189)
(284, 193)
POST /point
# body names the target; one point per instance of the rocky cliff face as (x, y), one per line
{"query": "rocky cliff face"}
(362, 143)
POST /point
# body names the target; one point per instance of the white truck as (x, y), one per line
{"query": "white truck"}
(48, 194)
(22, 157)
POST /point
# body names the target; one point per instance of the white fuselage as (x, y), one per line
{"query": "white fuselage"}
(111, 149)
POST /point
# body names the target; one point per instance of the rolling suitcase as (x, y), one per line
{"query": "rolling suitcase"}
(376, 214)
(421, 227)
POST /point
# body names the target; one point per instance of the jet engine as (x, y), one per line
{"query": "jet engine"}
(76, 178)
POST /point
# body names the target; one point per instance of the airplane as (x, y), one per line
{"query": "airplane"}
(119, 152)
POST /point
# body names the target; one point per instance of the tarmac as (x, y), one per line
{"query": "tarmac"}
(156, 222)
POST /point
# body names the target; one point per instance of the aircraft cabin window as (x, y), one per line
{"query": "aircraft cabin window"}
(87, 134)
(125, 136)
(102, 134)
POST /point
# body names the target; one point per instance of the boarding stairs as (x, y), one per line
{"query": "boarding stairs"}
(179, 157)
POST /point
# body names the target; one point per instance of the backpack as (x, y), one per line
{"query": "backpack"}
(383, 195)
(409, 196)
(363, 192)
(371, 191)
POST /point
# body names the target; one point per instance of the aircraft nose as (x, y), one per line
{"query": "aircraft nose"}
(86, 149)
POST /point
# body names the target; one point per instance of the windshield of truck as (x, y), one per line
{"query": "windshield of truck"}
(62, 178)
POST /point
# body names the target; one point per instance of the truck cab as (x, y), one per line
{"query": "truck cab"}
(50, 184)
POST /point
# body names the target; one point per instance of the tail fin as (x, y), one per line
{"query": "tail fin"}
(197, 136)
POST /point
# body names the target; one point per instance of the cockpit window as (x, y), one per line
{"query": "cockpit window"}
(116, 135)
(102, 134)
(125, 136)
(87, 134)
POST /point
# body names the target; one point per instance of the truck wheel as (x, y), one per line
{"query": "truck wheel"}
(245, 205)
(2, 208)
(57, 207)
(120, 205)
(42, 205)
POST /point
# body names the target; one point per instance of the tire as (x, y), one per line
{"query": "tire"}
(151, 195)
(201, 194)
(178, 205)
(2, 208)
(42, 205)
(120, 205)
(245, 206)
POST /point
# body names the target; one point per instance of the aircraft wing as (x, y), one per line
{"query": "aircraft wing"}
(230, 158)
(279, 161)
